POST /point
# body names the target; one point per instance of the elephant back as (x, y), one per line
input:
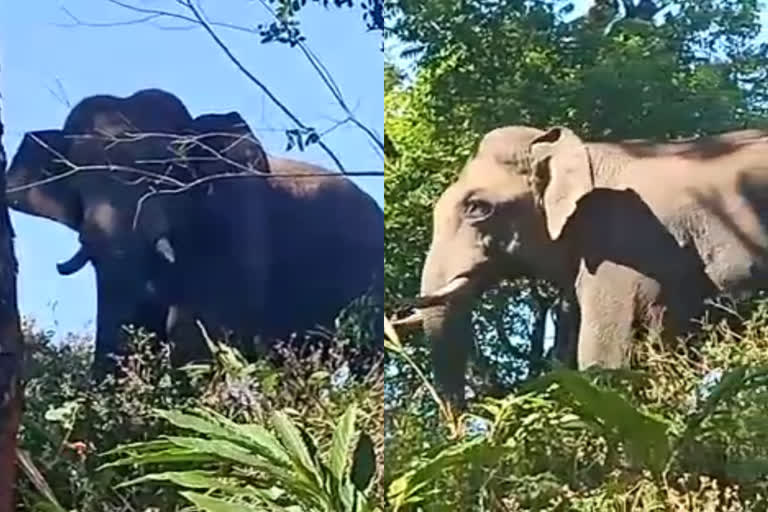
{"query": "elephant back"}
(322, 224)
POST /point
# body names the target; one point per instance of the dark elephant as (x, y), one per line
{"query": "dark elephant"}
(223, 143)
(90, 177)
(640, 233)
(272, 255)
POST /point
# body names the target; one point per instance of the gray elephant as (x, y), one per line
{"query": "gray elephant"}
(90, 177)
(640, 233)
(272, 254)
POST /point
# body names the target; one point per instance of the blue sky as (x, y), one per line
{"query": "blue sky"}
(44, 65)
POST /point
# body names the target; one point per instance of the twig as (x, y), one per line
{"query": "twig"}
(198, 18)
(326, 77)
(256, 81)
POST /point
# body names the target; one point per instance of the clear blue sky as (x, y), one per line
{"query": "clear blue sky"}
(41, 62)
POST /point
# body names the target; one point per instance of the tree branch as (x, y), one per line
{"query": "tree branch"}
(326, 77)
(255, 80)
(199, 18)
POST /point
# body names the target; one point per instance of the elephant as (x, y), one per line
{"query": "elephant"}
(271, 254)
(62, 175)
(223, 143)
(638, 233)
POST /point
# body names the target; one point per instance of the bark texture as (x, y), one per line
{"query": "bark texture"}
(11, 353)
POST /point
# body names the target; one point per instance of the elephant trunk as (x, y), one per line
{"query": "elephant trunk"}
(449, 329)
(118, 296)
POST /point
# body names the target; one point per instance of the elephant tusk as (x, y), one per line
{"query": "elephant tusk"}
(413, 319)
(75, 263)
(411, 323)
(165, 249)
(445, 294)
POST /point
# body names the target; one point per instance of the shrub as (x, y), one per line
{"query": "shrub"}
(685, 429)
(70, 423)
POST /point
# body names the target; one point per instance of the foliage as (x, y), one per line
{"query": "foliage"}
(256, 468)
(70, 422)
(374, 11)
(685, 430)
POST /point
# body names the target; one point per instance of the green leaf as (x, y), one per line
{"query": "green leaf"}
(264, 439)
(193, 479)
(644, 436)
(405, 489)
(341, 444)
(363, 463)
(291, 437)
(65, 414)
(161, 457)
(210, 504)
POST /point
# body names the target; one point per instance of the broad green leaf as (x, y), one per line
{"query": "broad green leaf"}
(644, 436)
(208, 423)
(292, 439)
(145, 446)
(363, 463)
(341, 444)
(210, 504)
(404, 490)
(191, 479)
(263, 438)
(161, 457)
(218, 448)
(65, 414)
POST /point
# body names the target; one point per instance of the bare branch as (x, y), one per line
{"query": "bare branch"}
(251, 174)
(326, 77)
(199, 18)
(136, 21)
(255, 80)
(61, 95)
(143, 174)
(153, 14)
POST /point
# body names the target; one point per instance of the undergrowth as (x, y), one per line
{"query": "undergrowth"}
(686, 429)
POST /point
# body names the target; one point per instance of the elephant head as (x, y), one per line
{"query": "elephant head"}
(90, 176)
(504, 217)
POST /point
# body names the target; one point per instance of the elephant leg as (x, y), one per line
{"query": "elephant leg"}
(607, 300)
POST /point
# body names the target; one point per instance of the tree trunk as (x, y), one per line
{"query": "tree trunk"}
(537, 335)
(10, 352)
(567, 320)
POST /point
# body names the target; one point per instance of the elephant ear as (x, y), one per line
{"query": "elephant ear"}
(54, 143)
(561, 175)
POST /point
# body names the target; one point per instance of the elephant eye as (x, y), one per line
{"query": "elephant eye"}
(478, 209)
